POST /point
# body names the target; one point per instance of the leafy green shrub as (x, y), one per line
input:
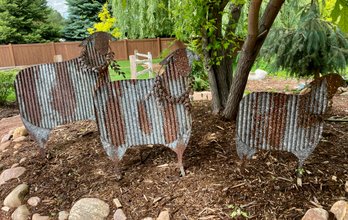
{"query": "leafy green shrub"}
(6, 85)
(200, 76)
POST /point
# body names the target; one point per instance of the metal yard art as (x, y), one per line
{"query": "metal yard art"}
(275, 121)
(128, 112)
(54, 94)
(148, 111)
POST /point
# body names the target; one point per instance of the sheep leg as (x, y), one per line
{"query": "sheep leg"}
(243, 150)
(117, 167)
(40, 135)
(300, 170)
(179, 150)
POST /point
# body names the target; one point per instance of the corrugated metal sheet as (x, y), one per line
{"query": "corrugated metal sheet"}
(275, 121)
(139, 112)
(58, 93)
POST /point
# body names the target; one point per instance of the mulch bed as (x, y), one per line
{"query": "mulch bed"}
(265, 187)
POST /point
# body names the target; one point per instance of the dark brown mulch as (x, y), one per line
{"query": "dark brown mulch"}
(265, 187)
(8, 110)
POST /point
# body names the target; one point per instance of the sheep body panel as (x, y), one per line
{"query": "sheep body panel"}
(54, 94)
(276, 121)
(147, 111)
(48, 96)
(128, 116)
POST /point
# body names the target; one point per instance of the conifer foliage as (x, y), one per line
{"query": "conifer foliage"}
(25, 21)
(314, 46)
(82, 15)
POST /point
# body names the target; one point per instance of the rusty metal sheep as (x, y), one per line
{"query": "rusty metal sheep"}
(54, 94)
(276, 121)
(147, 111)
(128, 112)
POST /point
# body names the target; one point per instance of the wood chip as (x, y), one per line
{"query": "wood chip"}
(208, 217)
(163, 165)
(238, 185)
(117, 203)
(157, 199)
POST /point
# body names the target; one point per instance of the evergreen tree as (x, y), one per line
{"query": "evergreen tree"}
(314, 46)
(25, 21)
(82, 14)
(144, 19)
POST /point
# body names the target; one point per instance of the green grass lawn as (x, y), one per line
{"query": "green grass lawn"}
(125, 67)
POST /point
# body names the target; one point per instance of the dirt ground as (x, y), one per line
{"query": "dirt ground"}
(265, 187)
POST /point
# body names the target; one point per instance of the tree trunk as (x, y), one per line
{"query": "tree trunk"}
(220, 76)
(256, 37)
(214, 89)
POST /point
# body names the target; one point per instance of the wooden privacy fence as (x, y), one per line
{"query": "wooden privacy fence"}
(30, 54)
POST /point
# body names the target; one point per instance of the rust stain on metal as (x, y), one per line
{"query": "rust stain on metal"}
(63, 100)
(275, 121)
(145, 124)
(148, 111)
(115, 119)
(170, 126)
(58, 93)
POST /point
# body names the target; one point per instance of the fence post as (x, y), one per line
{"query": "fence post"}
(159, 47)
(150, 64)
(133, 66)
(54, 51)
(125, 43)
(12, 55)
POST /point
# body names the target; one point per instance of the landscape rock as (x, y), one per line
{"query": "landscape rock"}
(11, 173)
(63, 215)
(340, 210)
(4, 145)
(34, 201)
(89, 208)
(20, 139)
(5, 138)
(20, 132)
(119, 215)
(316, 214)
(346, 187)
(16, 197)
(258, 75)
(147, 218)
(21, 213)
(164, 215)
(37, 216)
(344, 93)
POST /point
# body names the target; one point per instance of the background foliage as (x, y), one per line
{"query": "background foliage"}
(82, 15)
(7, 86)
(26, 21)
(106, 24)
(309, 47)
(139, 19)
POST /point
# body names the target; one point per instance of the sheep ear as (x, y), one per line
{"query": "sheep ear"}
(165, 61)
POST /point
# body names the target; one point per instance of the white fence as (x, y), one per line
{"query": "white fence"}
(135, 60)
